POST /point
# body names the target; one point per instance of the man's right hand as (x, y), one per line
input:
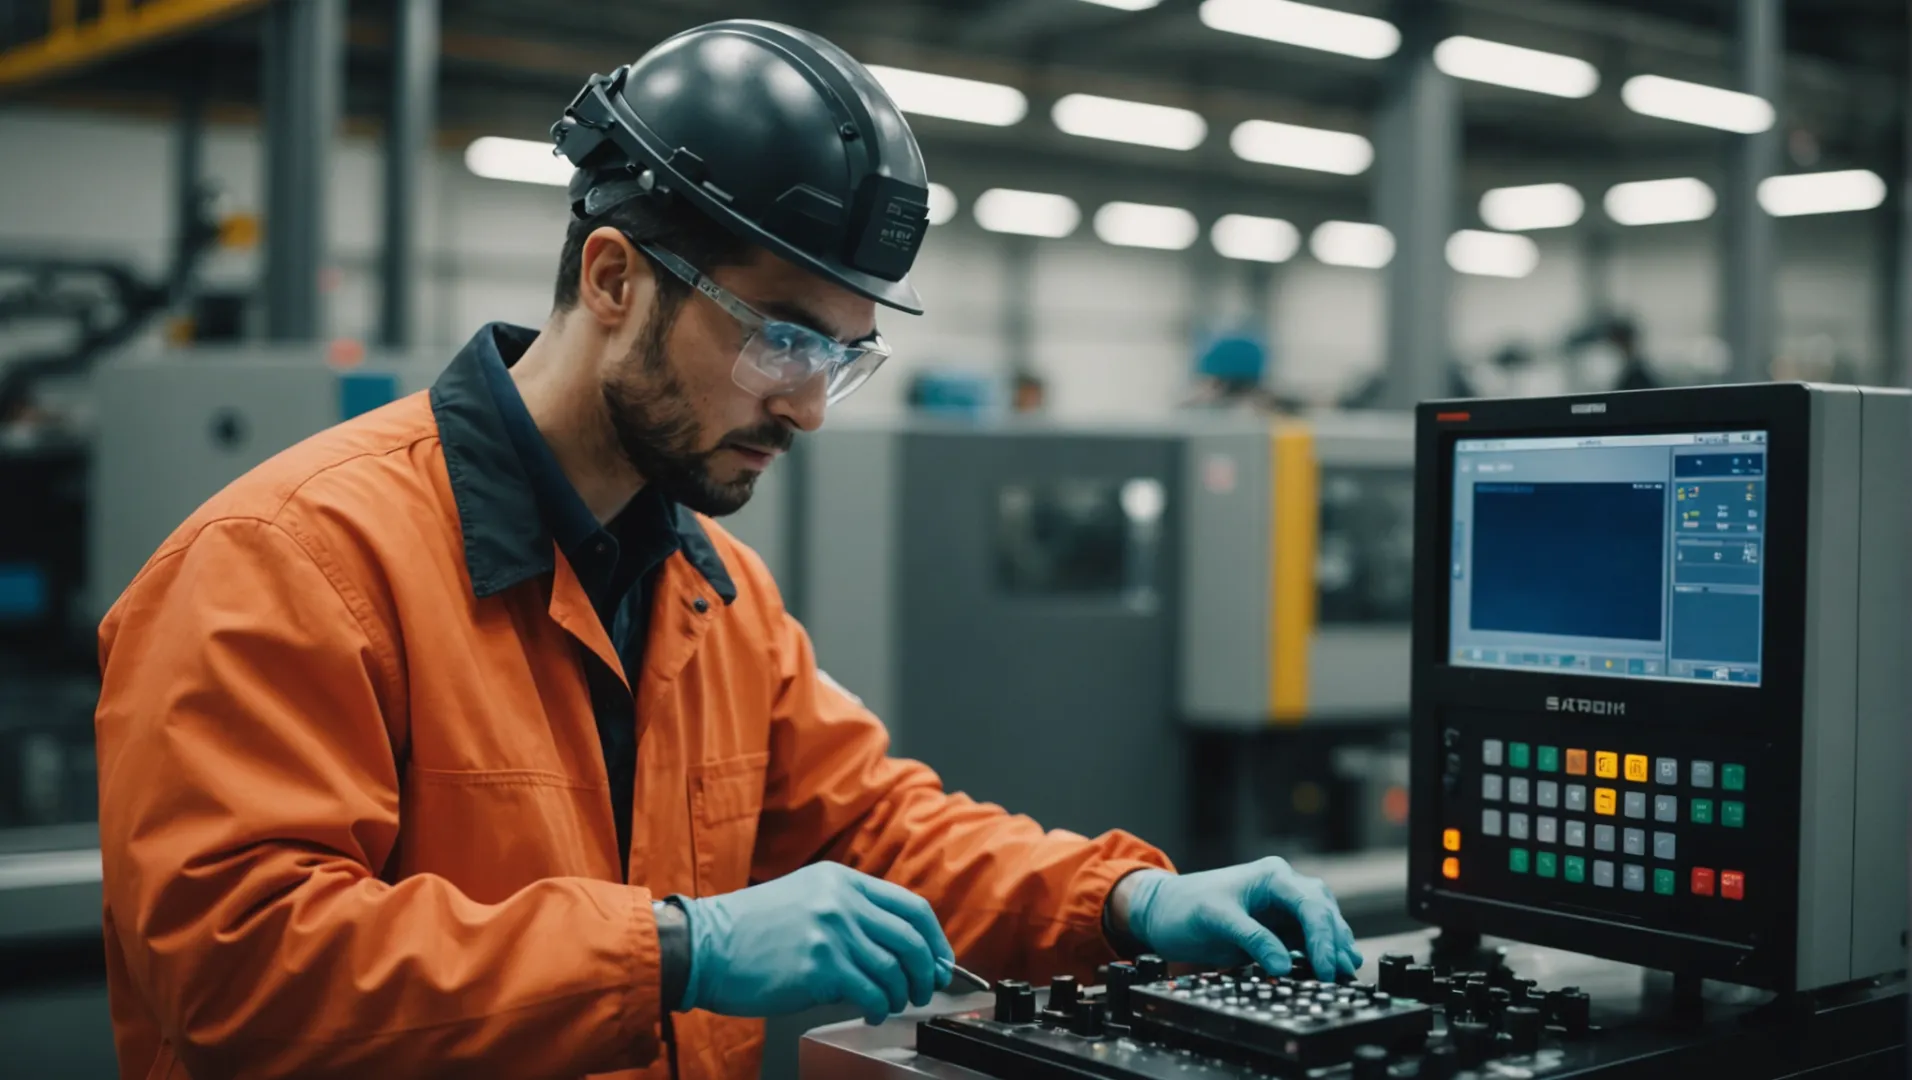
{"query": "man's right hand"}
(822, 935)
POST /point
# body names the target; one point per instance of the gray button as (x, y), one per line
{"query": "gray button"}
(1577, 798)
(1490, 752)
(1490, 787)
(1663, 846)
(1666, 808)
(1547, 794)
(1518, 789)
(1603, 838)
(1517, 826)
(1702, 774)
(1634, 840)
(1666, 771)
(1576, 834)
(1547, 830)
(1636, 804)
(1603, 873)
(1633, 878)
(1490, 822)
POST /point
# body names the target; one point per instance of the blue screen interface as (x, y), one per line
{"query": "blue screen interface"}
(1630, 556)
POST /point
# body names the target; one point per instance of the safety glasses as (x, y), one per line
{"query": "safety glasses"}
(781, 357)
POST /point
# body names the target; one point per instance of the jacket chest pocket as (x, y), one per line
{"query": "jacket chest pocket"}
(726, 797)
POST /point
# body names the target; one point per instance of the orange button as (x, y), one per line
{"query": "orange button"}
(1636, 768)
(1603, 800)
(1606, 764)
(1450, 868)
(1702, 881)
(1576, 763)
(1451, 839)
(1732, 884)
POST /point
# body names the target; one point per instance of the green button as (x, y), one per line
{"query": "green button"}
(1663, 882)
(1549, 759)
(1732, 777)
(1576, 869)
(1517, 755)
(1702, 811)
(1546, 864)
(1732, 815)
(1517, 860)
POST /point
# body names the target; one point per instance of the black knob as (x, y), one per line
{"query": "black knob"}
(1370, 1063)
(1475, 1041)
(1006, 992)
(1088, 1019)
(1480, 999)
(1419, 983)
(1576, 1011)
(1522, 1024)
(1498, 1000)
(1393, 973)
(1441, 1063)
(1023, 1009)
(1150, 968)
(1451, 738)
(1458, 1005)
(1062, 993)
(1121, 976)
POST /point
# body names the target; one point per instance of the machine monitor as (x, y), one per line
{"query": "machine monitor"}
(1660, 679)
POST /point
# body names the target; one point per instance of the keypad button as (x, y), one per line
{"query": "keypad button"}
(1606, 765)
(1450, 868)
(1547, 794)
(1702, 773)
(1633, 878)
(1576, 763)
(1576, 869)
(1577, 798)
(1605, 801)
(1666, 808)
(1732, 884)
(1636, 768)
(1490, 786)
(1518, 755)
(1732, 814)
(1546, 864)
(1636, 804)
(1732, 777)
(1665, 844)
(1603, 837)
(1700, 811)
(1576, 834)
(1548, 759)
(1702, 881)
(1490, 822)
(1603, 873)
(1490, 751)
(1519, 789)
(1666, 771)
(1518, 860)
(1450, 839)
(1663, 881)
(1517, 827)
(1547, 830)
(1633, 841)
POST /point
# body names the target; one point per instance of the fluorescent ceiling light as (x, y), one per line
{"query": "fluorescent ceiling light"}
(951, 98)
(1821, 193)
(942, 204)
(522, 160)
(1168, 228)
(1305, 25)
(1130, 122)
(1270, 143)
(1027, 213)
(1659, 202)
(1352, 243)
(1692, 103)
(1258, 239)
(1534, 206)
(1492, 254)
(1511, 65)
(1127, 5)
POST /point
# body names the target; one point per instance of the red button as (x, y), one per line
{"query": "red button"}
(1732, 884)
(1702, 881)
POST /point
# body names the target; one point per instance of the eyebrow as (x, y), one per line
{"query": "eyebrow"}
(802, 316)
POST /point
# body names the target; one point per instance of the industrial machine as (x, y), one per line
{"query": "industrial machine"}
(1660, 693)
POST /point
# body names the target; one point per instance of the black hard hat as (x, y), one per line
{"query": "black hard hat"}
(772, 131)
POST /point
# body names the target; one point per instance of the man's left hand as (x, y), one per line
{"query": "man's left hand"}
(1217, 917)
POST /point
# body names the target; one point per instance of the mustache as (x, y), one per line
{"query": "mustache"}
(770, 436)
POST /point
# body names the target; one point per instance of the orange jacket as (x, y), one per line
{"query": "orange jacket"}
(354, 811)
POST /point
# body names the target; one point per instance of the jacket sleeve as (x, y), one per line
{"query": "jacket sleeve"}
(1016, 901)
(249, 798)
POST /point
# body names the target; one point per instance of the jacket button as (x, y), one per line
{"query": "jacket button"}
(702, 605)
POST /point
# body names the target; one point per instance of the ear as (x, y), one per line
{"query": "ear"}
(614, 278)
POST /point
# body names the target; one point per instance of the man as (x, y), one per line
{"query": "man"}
(459, 740)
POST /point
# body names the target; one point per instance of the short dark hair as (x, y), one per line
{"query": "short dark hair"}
(667, 222)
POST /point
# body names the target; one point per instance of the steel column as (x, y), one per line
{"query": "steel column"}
(303, 81)
(1748, 263)
(409, 140)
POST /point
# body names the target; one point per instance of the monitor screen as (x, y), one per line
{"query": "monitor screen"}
(1631, 556)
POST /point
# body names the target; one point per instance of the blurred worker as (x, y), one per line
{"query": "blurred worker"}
(458, 740)
(1229, 374)
(1028, 393)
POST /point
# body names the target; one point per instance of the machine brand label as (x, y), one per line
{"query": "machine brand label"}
(1586, 705)
(1588, 407)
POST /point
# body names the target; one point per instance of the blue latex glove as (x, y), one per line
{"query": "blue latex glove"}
(822, 935)
(1216, 916)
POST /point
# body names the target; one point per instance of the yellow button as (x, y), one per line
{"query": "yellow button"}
(1451, 839)
(1450, 868)
(1606, 764)
(1603, 799)
(1636, 768)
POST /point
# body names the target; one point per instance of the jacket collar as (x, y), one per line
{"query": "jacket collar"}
(507, 540)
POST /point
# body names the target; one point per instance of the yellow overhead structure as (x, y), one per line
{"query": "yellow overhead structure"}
(120, 26)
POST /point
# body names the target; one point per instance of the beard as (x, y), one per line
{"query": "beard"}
(657, 430)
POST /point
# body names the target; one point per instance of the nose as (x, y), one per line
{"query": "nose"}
(803, 407)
